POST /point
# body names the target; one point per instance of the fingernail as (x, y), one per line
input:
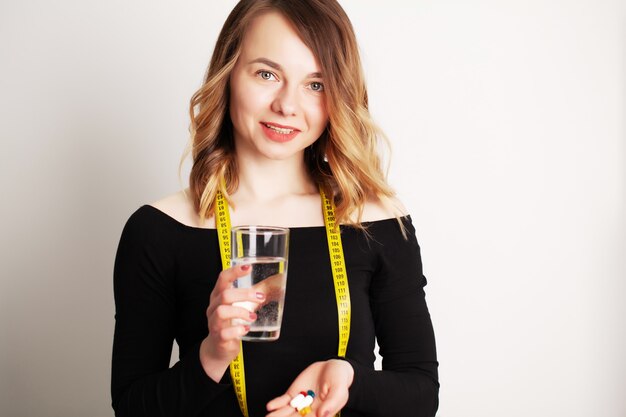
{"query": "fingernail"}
(260, 295)
(245, 267)
(252, 316)
(246, 328)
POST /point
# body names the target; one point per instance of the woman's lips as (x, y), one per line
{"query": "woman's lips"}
(279, 133)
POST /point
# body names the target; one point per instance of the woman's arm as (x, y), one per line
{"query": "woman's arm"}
(142, 383)
(408, 384)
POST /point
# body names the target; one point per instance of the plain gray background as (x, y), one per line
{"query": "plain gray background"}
(507, 120)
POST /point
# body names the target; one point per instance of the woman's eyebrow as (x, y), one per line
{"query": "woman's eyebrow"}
(267, 62)
(277, 67)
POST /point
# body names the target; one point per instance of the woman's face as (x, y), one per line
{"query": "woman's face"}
(277, 102)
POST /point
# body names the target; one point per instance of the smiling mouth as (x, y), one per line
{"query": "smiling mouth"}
(281, 130)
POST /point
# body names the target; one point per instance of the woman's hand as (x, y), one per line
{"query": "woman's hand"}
(330, 380)
(221, 346)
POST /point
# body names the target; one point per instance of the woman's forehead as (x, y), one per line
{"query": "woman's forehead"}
(272, 37)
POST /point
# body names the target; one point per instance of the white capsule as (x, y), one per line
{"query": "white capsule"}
(296, 401)
(308, 400)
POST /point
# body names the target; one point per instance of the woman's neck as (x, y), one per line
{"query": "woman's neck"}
(275, 193)
(268, 180)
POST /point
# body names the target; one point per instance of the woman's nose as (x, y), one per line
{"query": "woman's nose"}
(286, 101)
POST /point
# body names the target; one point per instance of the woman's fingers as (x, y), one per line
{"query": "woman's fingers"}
(280, 407)
(232, 295)
(334, 401)
(230, 275)
(224, 314)
(229, 314)
(279, 402)
(271, 284)
(229, 334)
(224, 293)
(231, 309)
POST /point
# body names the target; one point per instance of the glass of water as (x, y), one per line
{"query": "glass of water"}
(266, 250)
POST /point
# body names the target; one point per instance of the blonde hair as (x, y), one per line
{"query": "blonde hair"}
(344, 161)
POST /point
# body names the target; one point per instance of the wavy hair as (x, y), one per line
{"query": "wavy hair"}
(344, 161)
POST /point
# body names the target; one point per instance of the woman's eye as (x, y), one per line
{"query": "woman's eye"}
(315, 86)
(266, 75)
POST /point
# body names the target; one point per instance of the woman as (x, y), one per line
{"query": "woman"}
(282, 114)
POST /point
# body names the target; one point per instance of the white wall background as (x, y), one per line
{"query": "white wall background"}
(508, 125)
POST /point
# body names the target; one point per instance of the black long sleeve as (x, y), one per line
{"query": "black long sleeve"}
(145, 300)
(408, 384)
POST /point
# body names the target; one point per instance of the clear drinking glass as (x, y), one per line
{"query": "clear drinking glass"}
(266, 250)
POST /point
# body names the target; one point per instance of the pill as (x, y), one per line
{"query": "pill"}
(307, 401)
(297, 400)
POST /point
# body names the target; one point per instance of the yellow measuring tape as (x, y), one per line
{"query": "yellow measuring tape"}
(340, 279)
(340, 276)
(222, 222)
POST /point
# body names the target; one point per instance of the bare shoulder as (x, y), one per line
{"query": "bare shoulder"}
(180, 207)
(376, 209)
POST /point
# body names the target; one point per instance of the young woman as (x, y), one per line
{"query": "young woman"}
(282, 114)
